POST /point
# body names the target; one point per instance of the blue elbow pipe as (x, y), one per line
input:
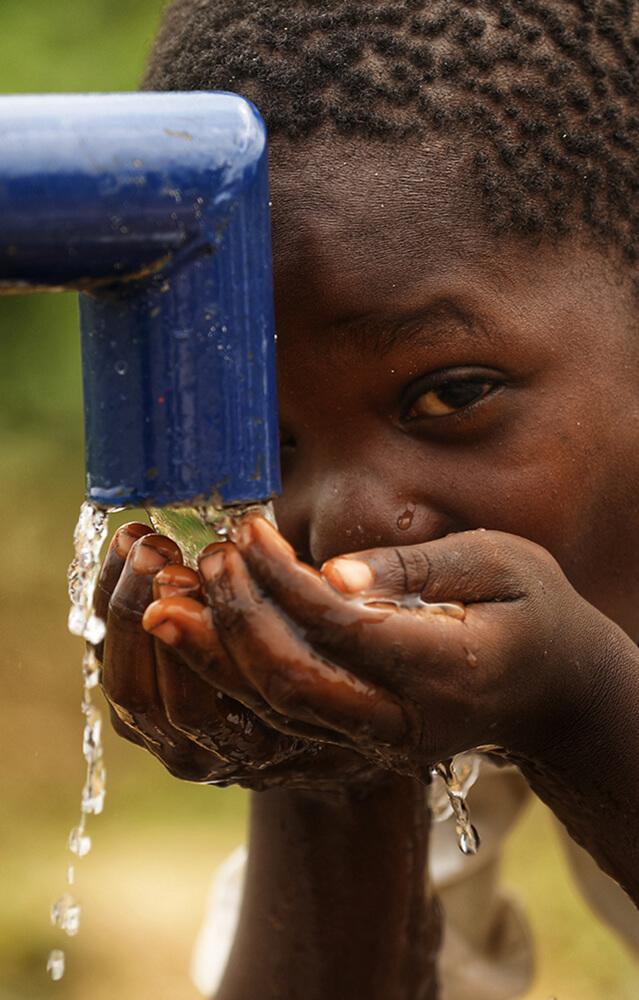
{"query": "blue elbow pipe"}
(155, 207)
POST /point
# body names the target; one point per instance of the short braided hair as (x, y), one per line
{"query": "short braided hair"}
(543, 94)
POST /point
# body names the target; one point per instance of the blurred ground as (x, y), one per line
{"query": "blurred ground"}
(144, 885)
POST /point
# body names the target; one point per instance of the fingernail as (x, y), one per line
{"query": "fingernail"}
(167, 584)
(180, 577)
(244, 532)
(212, 565)
(126, 536)
(166, 632)
(265, 532)
(350, 575)
(148, 558)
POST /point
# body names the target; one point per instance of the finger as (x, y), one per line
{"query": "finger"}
(203, 713)
(128, 674)
(175, 580)
(112, 566)
(301, 590)
(468, 567)
(181, 757)
(381, 643)
(292, 678)
(188, 627)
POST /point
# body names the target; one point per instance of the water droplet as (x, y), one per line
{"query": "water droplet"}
(469, 842)
(451, 609)
(79, 842)
(65, 914)
(95, 630)
(94, 791)
(70, 875)
(77, 621)
(55, 964)
(91, 670)
(405, 520)
(121, 367)
(92, 735)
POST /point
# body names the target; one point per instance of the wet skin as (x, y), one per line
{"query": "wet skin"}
(433, 381)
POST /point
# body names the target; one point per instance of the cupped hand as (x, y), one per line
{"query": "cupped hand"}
(407, 656)
(199, 732)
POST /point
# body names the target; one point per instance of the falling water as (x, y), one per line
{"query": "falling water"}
(88, 539)
(458, 775)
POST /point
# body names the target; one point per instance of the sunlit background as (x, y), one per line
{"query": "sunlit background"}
(158, 842)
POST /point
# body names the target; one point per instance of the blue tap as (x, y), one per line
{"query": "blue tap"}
(155, 208)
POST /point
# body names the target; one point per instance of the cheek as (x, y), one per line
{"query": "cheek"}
(574, 494)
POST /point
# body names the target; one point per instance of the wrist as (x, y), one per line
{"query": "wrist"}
(585, 773)
(337, 900)
(595, 693)
(575, 673)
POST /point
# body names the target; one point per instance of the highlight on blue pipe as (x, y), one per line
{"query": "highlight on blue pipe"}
(156, 208)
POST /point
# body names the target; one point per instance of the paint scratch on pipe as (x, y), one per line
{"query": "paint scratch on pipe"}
(178, 134)
(86, 284)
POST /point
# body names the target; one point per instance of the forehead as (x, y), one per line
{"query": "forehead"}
(363, 228)
(351, 213)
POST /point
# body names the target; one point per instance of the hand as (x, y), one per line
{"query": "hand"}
(197, 731)
(355, 653)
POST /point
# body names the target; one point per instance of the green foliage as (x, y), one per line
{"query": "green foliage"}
(77, 45)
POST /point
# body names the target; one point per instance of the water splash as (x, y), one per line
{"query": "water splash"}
(458, 775)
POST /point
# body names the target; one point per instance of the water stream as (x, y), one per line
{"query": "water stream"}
(88, 539)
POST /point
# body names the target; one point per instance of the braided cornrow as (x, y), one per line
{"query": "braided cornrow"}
(544, 92)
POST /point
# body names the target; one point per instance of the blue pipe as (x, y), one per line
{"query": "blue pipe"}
(155, 207)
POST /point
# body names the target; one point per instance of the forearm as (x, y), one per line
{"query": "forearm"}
(336, 903)
(589, 774)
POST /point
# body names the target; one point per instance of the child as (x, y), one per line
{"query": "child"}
(455, 236)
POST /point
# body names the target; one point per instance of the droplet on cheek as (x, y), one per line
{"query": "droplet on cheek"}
(405, 519)
(471, 658)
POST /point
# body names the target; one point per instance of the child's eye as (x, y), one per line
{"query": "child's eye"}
(449, 397)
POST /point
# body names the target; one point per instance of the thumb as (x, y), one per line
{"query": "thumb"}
(469, 566)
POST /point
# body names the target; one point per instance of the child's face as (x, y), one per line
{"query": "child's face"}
(434, 380)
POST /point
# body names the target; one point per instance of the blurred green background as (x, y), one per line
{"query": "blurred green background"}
(159, 840)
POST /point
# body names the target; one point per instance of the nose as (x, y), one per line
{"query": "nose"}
(353, 509)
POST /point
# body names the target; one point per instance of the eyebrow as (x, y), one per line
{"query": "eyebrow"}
(440, 320)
